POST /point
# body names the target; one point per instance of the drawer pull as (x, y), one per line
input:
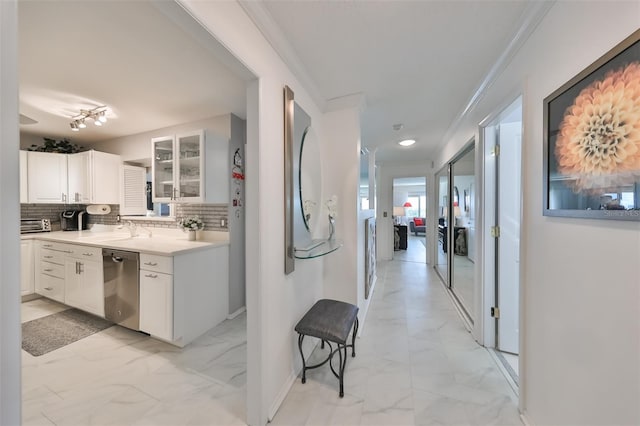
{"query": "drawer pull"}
(48, 270)
(48, 288)
(48, 257)
(47, 245)
(151, 263)
(151, 276)
(87, 254)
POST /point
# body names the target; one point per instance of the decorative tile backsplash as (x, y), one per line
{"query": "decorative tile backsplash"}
(211, 214)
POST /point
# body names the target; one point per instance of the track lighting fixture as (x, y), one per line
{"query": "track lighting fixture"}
(98, 115)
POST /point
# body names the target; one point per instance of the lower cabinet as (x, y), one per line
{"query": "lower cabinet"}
(84, 283)
(156, 303)
(70, 274)
(27, 285)
(49, 270)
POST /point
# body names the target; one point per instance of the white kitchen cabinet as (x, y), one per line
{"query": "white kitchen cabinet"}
(49, 270)
(156, 298)
(190, 167)
(47, 177)
(89, 177)
(180, 298)
(84, 283)
(27, 285)
(24, 191)
(94, 177)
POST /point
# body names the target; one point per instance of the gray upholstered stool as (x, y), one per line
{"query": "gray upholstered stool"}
(330, 321)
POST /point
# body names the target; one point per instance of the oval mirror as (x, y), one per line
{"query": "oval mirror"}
(310, 178)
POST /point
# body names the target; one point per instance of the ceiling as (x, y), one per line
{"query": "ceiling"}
(415, 63)
(150, 64)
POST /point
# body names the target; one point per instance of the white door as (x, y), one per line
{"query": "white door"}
(508, 216)
(78, 167)
(47, 177)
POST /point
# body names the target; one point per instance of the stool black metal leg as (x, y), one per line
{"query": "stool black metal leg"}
(342, 363)
(353, 338)
(322, 345)
(304, 365)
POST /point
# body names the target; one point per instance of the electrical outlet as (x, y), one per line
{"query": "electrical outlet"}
(384, 214)
(223, 223)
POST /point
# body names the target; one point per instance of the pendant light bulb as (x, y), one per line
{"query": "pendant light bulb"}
(81, 124)
(103, 117)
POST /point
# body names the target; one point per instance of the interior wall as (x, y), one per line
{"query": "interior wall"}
(138, 146)
(277, 301)
(10, 371)
(341, 178)
(577, 365)
(384, 211)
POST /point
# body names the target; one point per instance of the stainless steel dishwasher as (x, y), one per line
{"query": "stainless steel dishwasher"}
(121, 287)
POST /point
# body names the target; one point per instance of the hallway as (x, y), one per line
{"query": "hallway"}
(415, 364)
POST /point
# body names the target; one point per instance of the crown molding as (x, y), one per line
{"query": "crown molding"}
(261, 17)
(531, 17)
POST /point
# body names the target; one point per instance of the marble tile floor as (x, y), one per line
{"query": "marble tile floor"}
(121, 377)
(415, 252)
(415, 364)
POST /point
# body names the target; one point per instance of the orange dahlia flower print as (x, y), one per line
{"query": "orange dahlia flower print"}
(599, 138)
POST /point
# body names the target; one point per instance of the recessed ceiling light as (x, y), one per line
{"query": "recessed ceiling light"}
(407, 142)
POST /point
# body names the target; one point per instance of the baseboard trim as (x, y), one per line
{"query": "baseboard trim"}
(526, 420)
(282, 394)
(236, 313)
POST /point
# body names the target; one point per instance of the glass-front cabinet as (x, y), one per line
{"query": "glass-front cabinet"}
(190, 165)
(178, 167)
(163, 167)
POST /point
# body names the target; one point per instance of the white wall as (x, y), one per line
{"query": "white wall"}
(580, 354)
(342, 280)
(10, 394)
(138, 146)
(275, 301)
(387, 172)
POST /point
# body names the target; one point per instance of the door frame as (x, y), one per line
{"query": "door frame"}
(487, 332)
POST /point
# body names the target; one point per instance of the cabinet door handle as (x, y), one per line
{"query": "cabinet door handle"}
(151, 263)
(48, 288)
(48, 257)
(151, 276)
(80, 267)
(77, 268)
(64, 197)
(87, 254)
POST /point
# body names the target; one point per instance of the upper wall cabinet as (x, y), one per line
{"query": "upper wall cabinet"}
(93, 178)
(190, 168)
(47, 177)
(89, 177)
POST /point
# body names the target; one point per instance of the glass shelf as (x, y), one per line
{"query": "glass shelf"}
(317, 248)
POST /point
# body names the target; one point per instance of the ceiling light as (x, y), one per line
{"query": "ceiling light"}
(98, 115)
(398, 126)
(407, 142)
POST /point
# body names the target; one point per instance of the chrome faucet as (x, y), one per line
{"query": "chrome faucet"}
(132, 228)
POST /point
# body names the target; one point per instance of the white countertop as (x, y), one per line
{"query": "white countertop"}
(164, 242)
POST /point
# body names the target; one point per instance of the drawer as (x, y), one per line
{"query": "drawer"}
(52, 269)
(151, 262)
(50, 245)
(52, 288)
(52, 256)
(85, 252)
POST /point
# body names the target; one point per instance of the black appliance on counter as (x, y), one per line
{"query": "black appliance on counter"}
(73, 220)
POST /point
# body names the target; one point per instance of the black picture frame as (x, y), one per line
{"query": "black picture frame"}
(591, 168)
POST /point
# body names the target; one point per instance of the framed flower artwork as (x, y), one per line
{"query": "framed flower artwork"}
(592, 139)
